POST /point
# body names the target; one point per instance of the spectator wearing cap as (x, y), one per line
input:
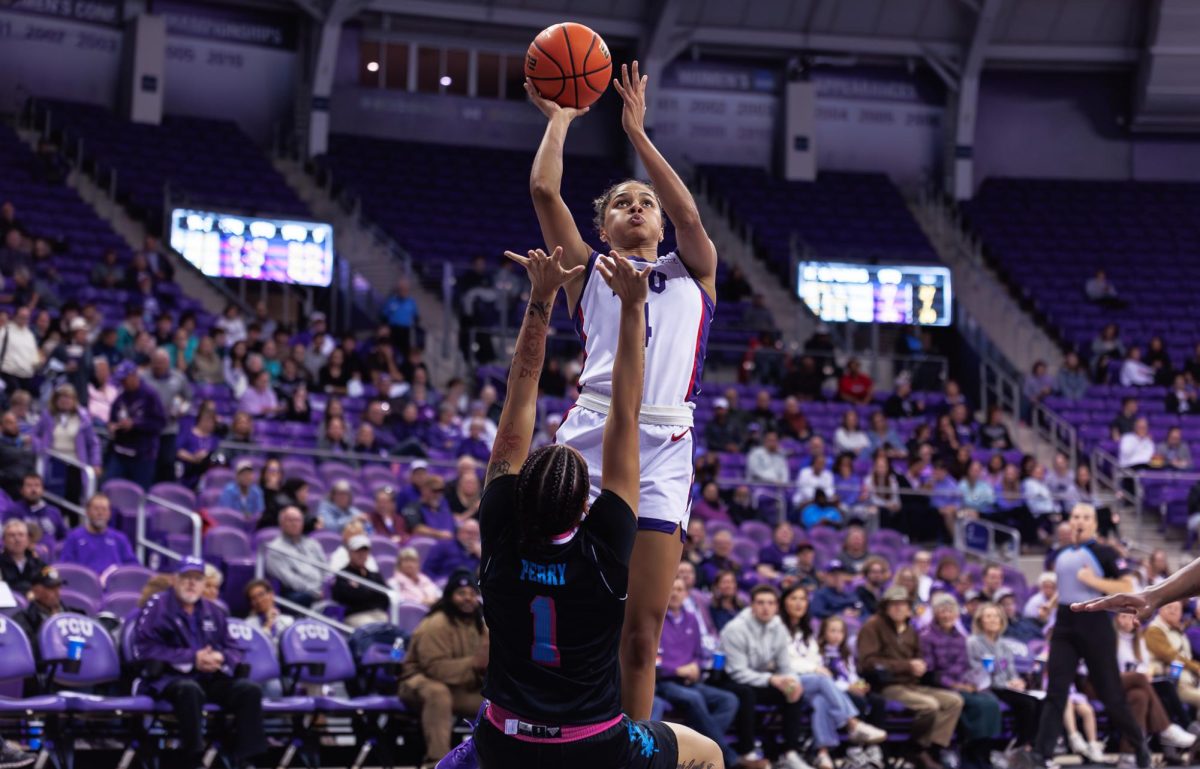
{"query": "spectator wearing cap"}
(890, 651)
(17, 457)
(44, 519)
(835, 596)
(430, 514)
(443, 672)
(767, 463)
(18, 563)
(94, 544)
(460, 553)
(45, 601)
(264, 614)
(292, 558)
(135, 423)
(363, 605)
(1042, 604)
(338, 509)
(412, 584)
(243, 493)
(760, 666)
(175, 394)
(185, 639)
(723, 432)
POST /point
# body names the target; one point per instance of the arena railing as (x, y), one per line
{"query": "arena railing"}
(90, 477)
(346, 457)
(260, 570)
(143, 543)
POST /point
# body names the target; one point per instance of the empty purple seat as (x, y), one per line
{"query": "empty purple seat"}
(127, 578)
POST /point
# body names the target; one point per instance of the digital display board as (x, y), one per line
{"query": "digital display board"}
(841, 292)
(225, 245)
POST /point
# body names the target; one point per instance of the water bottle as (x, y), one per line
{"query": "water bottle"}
(398, 649)
(35, 736)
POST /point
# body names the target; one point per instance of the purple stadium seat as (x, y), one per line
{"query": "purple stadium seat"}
(87, 603)
(217, 478)
(410, 615)
(337, 471)
(121, 604)
(99, 664)
(328, 540)
(422, 545)
(225, 543)
(174, 492)
(316, 654)
(757, 531)
(263, 536)
(126, 578)
(258, 652)
(81, 580)
(224, 516)
(17, 663)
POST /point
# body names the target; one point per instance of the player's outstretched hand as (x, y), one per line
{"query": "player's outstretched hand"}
(1121, 603)
(546, 273)
(551, 108)
(626, 281)
(632, 88)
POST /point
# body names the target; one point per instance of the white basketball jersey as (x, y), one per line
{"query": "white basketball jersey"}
(678, 316)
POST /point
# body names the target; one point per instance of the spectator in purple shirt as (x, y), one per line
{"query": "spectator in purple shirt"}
(944, 648)
(705, 708)
(93, 544)
(779, 558)
(475, 444)
(445, 434)
(259, 400)
(430, 515)
(721, 559)
(135, 423)
(38, 514)
(462, 552)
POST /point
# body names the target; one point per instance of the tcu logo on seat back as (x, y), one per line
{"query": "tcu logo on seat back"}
(79, 626)
(239, 632)
(309, 632)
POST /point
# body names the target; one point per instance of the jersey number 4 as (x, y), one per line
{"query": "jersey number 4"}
(545, 631)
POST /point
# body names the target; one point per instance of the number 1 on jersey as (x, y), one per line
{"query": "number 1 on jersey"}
(545, 631)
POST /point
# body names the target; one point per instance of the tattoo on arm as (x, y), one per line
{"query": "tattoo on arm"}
(496, 468)
(531, 347)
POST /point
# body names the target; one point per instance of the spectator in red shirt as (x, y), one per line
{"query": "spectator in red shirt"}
(855, 386)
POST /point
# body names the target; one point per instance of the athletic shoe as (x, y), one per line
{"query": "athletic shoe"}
(1127, 761)
(865, 734)
(856, 758)
(875, 756)
(1176, 737)
(949, 759)
(1096, 753)
(1079, 745)
(11, 758)
(791, 760)
(823, 761)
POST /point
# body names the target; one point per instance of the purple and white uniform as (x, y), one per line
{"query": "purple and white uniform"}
(679, 314)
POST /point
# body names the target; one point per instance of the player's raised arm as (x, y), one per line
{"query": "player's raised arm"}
(515, 431)
(695, 248)
(621, 459)
(545, 186)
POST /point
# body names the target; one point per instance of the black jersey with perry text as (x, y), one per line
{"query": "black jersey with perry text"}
(555, 612)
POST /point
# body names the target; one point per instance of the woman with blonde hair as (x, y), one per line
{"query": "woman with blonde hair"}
(66, 428)
(414, 585)
(992, 659)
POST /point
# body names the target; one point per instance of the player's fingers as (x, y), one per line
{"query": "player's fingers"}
(646, 272)
(521, 260)
(634, 76)
(619, 89)
(556, 254)
(575, 270)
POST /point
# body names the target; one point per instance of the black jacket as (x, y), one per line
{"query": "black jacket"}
(20, 580)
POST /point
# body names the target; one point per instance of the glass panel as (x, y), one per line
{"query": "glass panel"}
(397, 66)
(487, 75)
(429, 64)
(457, 65)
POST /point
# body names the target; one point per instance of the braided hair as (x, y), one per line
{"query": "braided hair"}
(552, 490)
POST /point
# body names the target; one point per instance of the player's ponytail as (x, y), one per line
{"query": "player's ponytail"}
(552, 490)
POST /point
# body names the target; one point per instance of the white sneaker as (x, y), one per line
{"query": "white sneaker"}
(824, 761)
(1096, 752)
(1176, 736)
(1079, 746)
(1127, 761)
(791, 760)
(865, 734)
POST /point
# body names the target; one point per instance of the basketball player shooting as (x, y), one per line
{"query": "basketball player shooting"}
(629, 218)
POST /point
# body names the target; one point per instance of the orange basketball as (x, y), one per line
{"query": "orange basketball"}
(569, 64)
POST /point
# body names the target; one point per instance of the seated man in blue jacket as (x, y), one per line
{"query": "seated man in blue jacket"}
(186, 636)
(835, 597)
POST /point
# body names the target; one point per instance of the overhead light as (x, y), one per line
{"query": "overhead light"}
(372, 66)
(446, 81)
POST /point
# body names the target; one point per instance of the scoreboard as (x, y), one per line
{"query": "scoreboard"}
(843, 292)
(226, 245)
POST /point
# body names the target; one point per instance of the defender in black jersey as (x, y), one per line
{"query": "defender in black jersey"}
(554, 583)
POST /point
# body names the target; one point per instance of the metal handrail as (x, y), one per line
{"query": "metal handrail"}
(393, 597)
(343, 456)
(90, 480)
(64, 503)
(993, 550)
(296, 608)
(166, 504)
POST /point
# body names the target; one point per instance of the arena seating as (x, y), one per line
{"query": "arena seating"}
(853, 216)
(207, 163)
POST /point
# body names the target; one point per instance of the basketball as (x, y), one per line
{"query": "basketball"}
(569, 64)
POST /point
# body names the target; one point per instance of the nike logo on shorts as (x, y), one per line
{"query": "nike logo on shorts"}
(678, 438)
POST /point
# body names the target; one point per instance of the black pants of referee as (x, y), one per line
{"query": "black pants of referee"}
(1092, 638)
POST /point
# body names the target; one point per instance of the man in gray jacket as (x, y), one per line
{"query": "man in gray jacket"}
(175, 392)
(289, 558)
(758, 662)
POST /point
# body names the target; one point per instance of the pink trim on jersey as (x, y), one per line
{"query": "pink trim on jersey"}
(687, 395)
(498, 715)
